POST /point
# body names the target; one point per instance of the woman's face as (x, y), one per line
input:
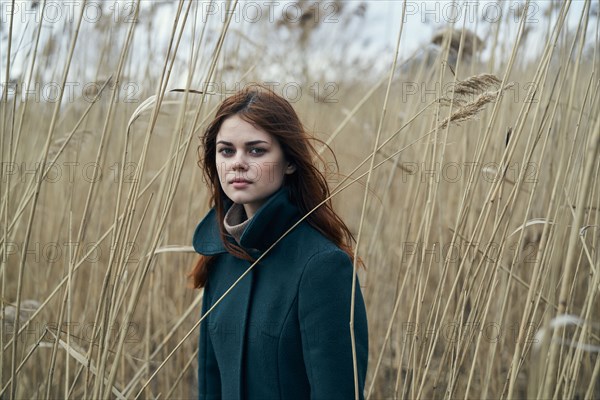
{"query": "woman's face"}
(250, 163)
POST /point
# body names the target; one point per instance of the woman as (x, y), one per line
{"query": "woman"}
(283, 330)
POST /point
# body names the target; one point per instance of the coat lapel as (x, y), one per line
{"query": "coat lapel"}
(206, 238)
(229, 320)
(244, 300)
(271, 220)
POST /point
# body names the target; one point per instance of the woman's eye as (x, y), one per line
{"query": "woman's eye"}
(225, 151)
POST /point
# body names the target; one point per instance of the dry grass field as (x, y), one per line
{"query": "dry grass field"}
(470, 182)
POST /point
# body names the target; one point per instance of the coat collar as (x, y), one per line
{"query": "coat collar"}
(269, 222)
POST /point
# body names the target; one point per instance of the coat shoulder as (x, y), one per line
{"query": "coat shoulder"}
(306, 242)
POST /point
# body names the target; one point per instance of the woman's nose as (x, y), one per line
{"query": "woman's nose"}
(239, 163)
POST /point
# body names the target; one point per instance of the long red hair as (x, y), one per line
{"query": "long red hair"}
(265, 109)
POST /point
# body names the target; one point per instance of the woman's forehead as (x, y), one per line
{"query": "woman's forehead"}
(235, 129)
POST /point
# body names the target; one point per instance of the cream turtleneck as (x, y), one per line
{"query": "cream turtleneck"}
(235, 221)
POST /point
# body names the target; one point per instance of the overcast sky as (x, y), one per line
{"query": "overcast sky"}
(370, 36)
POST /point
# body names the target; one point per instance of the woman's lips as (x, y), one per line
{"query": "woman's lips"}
(240, 184)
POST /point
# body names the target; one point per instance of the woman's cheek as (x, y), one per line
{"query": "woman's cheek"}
(269, 170)
(221, 167)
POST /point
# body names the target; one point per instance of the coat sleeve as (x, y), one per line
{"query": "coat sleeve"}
(324, 302)
(209, 379)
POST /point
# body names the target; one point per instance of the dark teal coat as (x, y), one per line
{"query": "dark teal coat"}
(283, 331)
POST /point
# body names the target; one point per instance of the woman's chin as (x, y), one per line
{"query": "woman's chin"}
(240, 198)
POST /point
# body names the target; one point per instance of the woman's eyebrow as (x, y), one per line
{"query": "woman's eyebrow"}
(250, 143)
